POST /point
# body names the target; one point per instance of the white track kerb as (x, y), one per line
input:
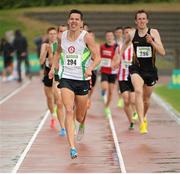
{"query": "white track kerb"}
(14, 92)
(172, 112)
(23, 155)
(118, 150)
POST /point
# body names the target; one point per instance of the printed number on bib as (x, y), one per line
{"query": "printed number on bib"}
(144, 52)
(126, 64)
(105, 62)
(72, 60)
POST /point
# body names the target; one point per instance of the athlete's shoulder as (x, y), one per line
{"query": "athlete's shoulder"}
(64, 33)
(154, 32)
(86, 34)
(44, 45)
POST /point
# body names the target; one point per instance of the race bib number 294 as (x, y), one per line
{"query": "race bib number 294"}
(72, 60)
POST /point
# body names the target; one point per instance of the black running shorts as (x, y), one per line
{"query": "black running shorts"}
(110, 78)
(79, 87)
(126, 85)
(150, 77)
(93, 78)
(46, 80)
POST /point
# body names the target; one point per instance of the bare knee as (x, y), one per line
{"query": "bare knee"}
(49, 98)
(59, 105)
(132, 101)
(126, 101)
(138, 92)
(69, 112)
(110, 93)
(146, 101)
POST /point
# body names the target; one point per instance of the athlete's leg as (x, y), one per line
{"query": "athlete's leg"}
(81, 107)
(110, 93)
(147, 94)
(104, 88)
(120, 103)
(138, 83)
(49, 98)
(132, 101)
(68, 101)
(81, 112)
(133, 106)
(127, 105)
(59, 103)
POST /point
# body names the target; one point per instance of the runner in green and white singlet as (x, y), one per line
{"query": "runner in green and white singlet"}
(76, 71)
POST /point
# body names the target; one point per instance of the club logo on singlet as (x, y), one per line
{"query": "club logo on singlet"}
(71, 49)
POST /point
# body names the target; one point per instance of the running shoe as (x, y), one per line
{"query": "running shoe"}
(120, 103)
(107, 112)
(142, 128)
(131, 126)
(52, 123)
(135, 116)
(80, 133)
(62, 132)
(146, 122)
(73, 153)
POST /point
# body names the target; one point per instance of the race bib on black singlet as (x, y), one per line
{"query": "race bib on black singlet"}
(72, 60)
(144, 52)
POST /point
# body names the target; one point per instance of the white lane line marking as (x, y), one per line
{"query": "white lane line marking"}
(23, 155)
(118, 150)
(172, 112)
(14, 92)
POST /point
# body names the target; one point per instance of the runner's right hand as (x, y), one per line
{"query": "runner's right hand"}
(51, 73)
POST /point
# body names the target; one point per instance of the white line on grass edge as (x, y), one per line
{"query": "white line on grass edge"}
(172, 113)
(14, 92)
(118, 150)
(23, 155)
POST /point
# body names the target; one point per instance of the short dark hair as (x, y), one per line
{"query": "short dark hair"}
(76, 11)
(85, 24)
(127, 27)
(58, 30)
(90, 31)
(118, 28)
(141, 11)
(109, 31)
(50, 28)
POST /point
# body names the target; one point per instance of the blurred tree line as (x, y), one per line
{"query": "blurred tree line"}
(4, 4)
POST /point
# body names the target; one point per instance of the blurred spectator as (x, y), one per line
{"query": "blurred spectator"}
(21, 48)
(38, 42)
(7, 52)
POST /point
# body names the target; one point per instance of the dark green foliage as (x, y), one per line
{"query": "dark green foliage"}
(5, 4)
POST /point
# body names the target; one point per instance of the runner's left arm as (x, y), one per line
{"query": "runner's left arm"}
(55, 62)
(126, 42)
(116, 59)
(89, 40)
(155, 40)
